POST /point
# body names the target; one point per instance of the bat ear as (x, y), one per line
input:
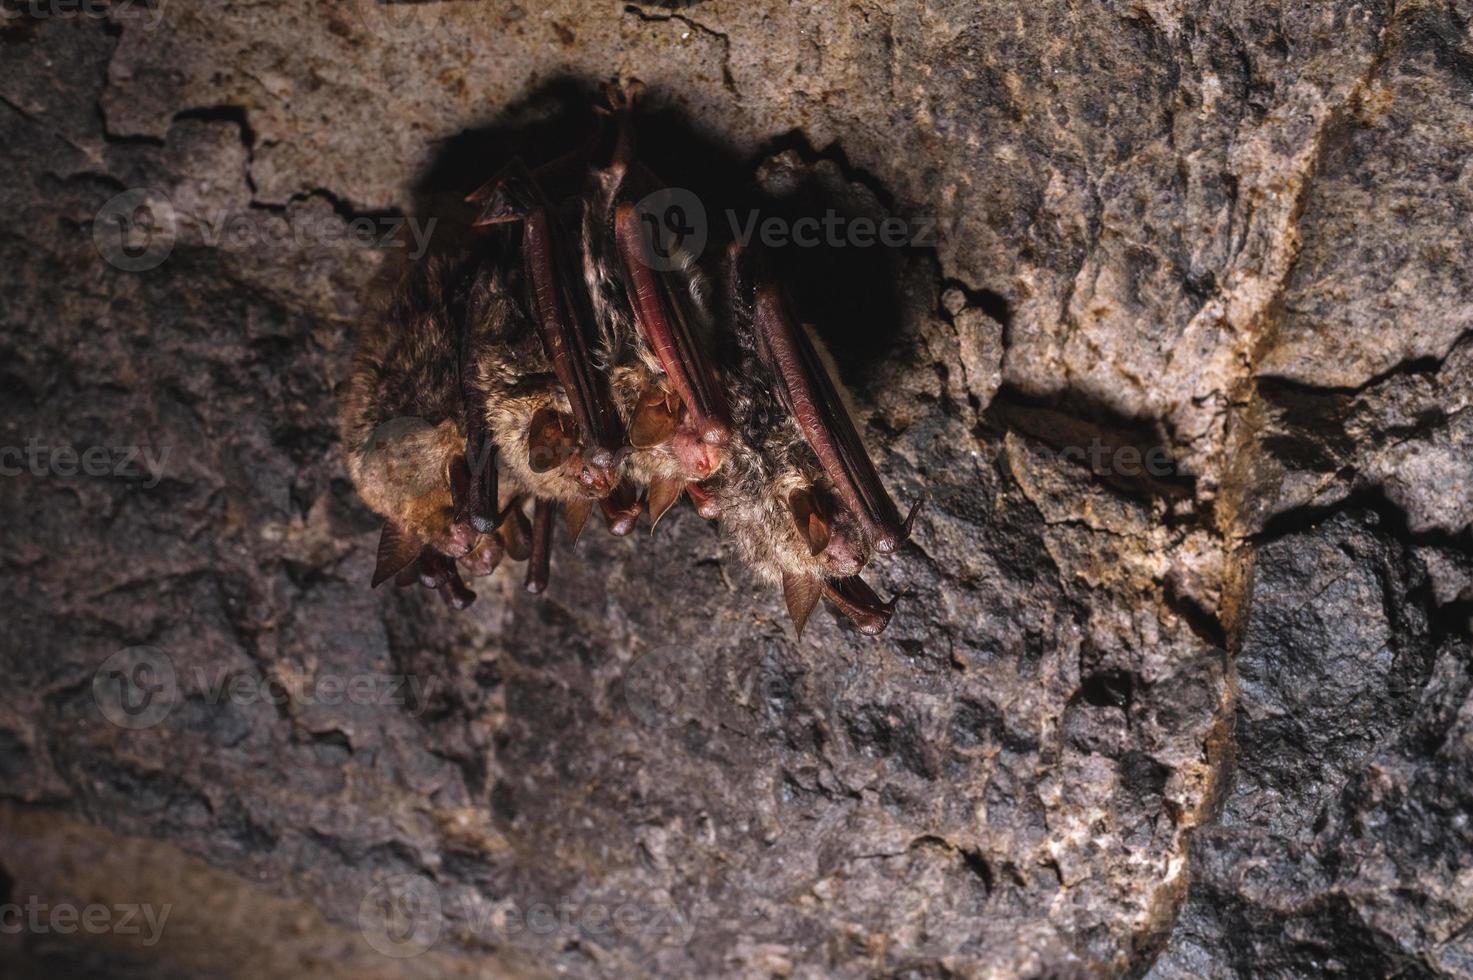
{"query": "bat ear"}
(654, 420)
(801, 593)
(549, 443)
(407, 576)
(505, 197)
(663, 494)
(576, 514)
(397, 548)
(810, 522)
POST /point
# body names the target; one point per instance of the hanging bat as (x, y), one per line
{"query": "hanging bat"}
(576, 372)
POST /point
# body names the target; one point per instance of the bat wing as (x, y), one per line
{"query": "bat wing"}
(810, 395)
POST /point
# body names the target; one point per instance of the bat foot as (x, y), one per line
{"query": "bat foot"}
(454, 592)
(621, 510)
(538, 562)
(854, 598)
(705, 501)
(622, 92)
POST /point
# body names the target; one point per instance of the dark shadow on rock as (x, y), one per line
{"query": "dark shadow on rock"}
(839, 275)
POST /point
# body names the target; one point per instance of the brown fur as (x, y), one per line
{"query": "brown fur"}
(402, 406)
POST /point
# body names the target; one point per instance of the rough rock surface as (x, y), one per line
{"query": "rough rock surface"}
(1180, 353)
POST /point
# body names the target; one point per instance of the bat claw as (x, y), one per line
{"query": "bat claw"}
(887, 541)
(910, 519)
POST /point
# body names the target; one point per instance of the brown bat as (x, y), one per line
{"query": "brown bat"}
(657, 327)
(803, 502)
(603, 371)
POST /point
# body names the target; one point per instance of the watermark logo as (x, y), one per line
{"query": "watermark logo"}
(139, 13)
(402, 916)
(139, 229)
(673, 227)
(400, 21)
(1103, 459)
(63, 918)
(136, 230)
(329, 689)
(136, 687)
(661, 686)
(126, 462)
(260, 230)
(832, 230)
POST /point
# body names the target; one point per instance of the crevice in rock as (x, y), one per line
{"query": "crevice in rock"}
(727, 78)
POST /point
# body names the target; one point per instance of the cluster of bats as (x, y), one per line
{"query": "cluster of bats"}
(554, 357)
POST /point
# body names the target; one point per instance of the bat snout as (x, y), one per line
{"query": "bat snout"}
(459, 540)
(842, 557)
(596, 480)
(698, 459)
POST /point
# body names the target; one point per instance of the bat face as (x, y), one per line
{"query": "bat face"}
(404, 471)
(595, 375)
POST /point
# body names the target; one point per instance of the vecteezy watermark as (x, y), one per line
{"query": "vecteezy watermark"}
(404, 915)
(254, 230)
(136, 687)
(132, 12)
(40, 459)
(400, 21)
(326, 688)
(1106, 460)
(135, 231)
(659, 686)
(63, 918)
(832, 230)
(138, 230)
(675, 228)
(139, 687)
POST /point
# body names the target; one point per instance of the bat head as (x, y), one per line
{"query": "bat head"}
(543, 452)
(405, 472)
(826, 537)
(555, 454)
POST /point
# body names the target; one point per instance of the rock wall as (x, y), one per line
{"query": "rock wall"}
(1178, 349)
